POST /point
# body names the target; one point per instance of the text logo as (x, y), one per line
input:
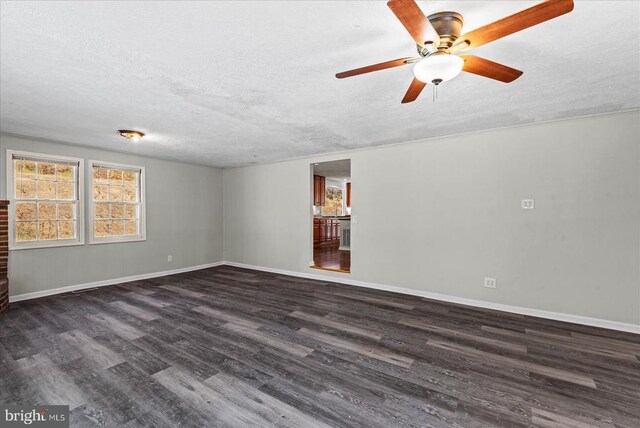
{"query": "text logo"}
(34, 416)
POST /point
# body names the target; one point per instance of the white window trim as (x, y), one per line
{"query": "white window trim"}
(25, 245)
(143, 206)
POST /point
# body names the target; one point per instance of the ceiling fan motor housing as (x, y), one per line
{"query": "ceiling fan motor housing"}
(448, 25)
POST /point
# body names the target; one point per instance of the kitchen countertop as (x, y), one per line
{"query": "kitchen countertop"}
(334, 218)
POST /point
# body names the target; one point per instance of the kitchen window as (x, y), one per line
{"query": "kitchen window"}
(333, 201)
(46, 195)
(117, 208)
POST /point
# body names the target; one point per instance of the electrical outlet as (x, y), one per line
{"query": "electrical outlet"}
(169, 258)
(490, 282)
(528, 204)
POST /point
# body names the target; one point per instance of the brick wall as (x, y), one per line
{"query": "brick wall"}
(4, 256)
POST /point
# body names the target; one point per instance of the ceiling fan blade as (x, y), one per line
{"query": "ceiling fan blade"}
(414, 90)
(512, 24)
(492, 70)
(376, 67)
(411, 16)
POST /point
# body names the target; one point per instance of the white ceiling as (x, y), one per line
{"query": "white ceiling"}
(231, 83)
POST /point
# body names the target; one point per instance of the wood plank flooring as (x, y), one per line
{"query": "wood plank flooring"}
(233, 347)
(330, 257)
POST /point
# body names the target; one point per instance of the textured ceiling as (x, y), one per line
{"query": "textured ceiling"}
(231, 83)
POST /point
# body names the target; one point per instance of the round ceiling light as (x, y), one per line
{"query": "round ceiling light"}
(134, 136)
(438, 68)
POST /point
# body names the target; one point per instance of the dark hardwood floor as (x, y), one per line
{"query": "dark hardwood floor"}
(330, 257)
(232, 347)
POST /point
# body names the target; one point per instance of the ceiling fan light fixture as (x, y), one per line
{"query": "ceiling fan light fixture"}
(131, 135)
(438, 68)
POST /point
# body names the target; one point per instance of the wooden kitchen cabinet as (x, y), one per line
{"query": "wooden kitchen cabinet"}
(316, 231)
(326, 231)
(316, 189)
(319, 190)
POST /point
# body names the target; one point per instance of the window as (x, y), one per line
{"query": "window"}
(117, 209)
(333, 201)
(46, 200)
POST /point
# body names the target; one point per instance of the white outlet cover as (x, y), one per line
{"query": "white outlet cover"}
(490, 282)
(169, 258)
(528, 204)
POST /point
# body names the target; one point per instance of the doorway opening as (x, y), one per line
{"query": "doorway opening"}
(331, 215)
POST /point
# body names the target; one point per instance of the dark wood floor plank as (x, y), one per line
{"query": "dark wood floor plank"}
(335, 325)
(227, 346)
(577, 378)
(53, 386)
(370, 351)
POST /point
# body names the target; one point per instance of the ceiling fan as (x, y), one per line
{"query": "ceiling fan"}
(438, 40)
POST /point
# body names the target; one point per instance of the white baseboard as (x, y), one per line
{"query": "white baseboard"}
(59, 290)
(557, 316)
(576, 319)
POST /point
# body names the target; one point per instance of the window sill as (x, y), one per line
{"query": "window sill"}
(116, 240)
(41, 245)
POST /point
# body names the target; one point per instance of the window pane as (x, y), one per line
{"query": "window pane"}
(64, 173)
(101, 228)
(333, 202)
(25, 211)
(131, 194)
(66, 211)
(131, 228)
(115, 177)
(66, 229)
(102, 211)
(47, 230)
(46, 171)
(52, 188)
(115, 193)
(100, 175)
(26, 231)
(65, 191)
(130, 178)
(112, 187)
(117, 211)
(46, 190)
(100, 193)
(25, 189)
(24, 169)
(47, 211)
(117, 227)
(130, 211)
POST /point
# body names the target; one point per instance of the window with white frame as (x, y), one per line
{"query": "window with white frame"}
(117, 209)
(46, 195)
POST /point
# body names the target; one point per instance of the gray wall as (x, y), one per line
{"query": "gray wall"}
(442, 214)
(184, 219)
